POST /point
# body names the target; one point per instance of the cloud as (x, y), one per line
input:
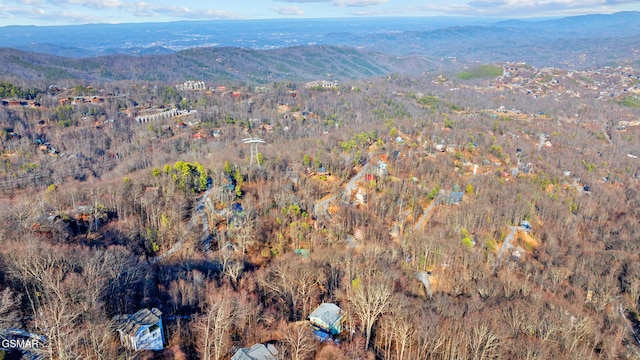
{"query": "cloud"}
(518, 8)
(91, 4)
(84, 10)
(486, 3)
(77, 17)
(30, 2)
(144, 9)
(37, 13)
(306, 1)
(342, 3)
(288, 10)
(373, 13)
(358, 3)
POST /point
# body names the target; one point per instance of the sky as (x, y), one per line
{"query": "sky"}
(70, 12)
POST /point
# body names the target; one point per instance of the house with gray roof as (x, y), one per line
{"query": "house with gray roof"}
(328, 318)
(142, 330)
(256, 352)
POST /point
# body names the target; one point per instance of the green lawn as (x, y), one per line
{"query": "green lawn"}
(631, 101)
(482, 71)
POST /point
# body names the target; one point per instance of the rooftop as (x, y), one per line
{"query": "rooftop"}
(256, 352)
(131, 323)
(328, 313)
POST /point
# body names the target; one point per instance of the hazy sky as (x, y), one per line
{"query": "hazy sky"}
(61, 12)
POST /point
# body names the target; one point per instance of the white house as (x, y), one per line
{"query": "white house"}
(142, 330)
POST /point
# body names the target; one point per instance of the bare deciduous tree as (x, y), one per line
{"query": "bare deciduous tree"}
(9, 303)
(234, 271)
(245, 236)
(369, 299)
(484, 342)
(215, 325)
(294, 284)
(53, 290)
(298, 342)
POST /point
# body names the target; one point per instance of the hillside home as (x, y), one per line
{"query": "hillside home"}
(84, 213)
(191, 85)
(369, 178)
(142, 330)
(327, 319)
(455, 197)
(256, 352)
(11, 102)
(382, 171)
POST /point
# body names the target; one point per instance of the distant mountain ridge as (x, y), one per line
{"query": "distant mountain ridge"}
(301, 63)
(397, 35)
(602, 38)
(335, 49)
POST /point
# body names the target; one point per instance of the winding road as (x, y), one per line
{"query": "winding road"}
(427, 212)
(322, 206)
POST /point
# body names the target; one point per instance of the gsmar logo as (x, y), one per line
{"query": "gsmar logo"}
(22, 344)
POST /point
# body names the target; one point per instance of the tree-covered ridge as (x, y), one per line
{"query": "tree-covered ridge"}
(212, 63)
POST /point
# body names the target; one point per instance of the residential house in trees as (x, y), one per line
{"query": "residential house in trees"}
(142, 330)
(455, 197)
(12, 102)
(382, 171)
(327, 320)
(256, 352)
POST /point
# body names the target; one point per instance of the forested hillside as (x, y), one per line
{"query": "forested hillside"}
(214, 64)
(474, 213)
